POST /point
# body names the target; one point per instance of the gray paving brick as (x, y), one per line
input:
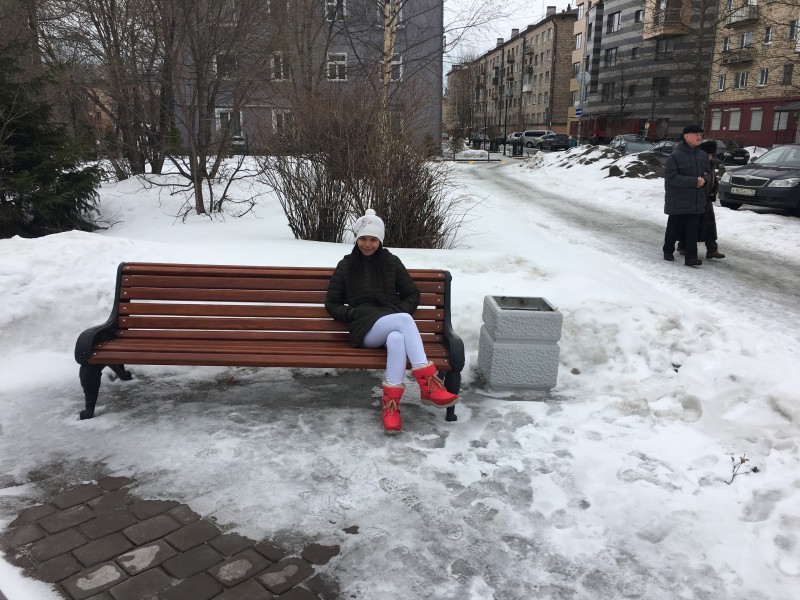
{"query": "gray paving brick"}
(93, 581)
(101, 596)
(191, 562)
(299, 593)
(318, 554)
(144, 586)
(271, 550)
(77, 495)
(238, 568)
(34, 513)
(231, 543)
(111, 501)
(56, 544)
(193, 534)
(199, 587)
(183, 514)
(108, 523)
(285, 575)
(144, 509)
(323, 586)
(19, 536)
(248, 590)
(146, 557)
(102, 550)
(58, 568)
(151, 529)
(64, 519)
(114, 483)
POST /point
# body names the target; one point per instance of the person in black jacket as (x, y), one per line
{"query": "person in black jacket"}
(686, 173)
(707, 229)
(372, 292)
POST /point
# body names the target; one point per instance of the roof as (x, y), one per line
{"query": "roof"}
(788, 107)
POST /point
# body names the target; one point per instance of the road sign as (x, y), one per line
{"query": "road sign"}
(578, 112)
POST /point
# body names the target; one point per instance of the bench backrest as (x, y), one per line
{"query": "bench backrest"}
(250, 302)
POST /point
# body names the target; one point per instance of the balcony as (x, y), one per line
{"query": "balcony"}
(740, 55)
(527, 87)
(667, 22)
(742, 16)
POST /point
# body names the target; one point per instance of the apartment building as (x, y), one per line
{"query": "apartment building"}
(755, 83)
(523, 82)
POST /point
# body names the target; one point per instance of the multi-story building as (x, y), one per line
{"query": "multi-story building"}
(755, 83)
(523, 83)
(640, 66)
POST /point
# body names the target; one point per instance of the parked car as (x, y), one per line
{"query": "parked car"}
(532, 137)
(554, 141)
(730, 152)
(772, 180)
(663, 149)
(515, 137)
(630, 143)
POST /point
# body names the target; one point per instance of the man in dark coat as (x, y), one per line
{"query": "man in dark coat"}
(686, 172)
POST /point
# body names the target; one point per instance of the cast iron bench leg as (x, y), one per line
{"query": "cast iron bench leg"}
(452, 382)
(90, 376)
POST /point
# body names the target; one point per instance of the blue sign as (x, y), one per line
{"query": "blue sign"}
(578, 112)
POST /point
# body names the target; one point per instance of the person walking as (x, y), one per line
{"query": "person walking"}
(686, 173)
(707, 229)
(372, 292)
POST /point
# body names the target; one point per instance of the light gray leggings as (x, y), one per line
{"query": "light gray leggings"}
(400, 335)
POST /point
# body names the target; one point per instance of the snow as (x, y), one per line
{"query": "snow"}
(612, 485)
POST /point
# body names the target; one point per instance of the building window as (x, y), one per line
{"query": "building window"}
(281, 120)
(726, 43)
(635, 52)
(280, 68)
(334, 10)
(664, 47)
(580, 11)
(787, 74)
(611, 57)
(716, 120)
(576, 68)
(756, 117)
(736, 115)
(740, 80)
(768, 34)
(746, 39)
(780, 121)
(632, 90)
(608, 91)
(661, 86)
(793, 28)
(575, 99)
(578, 40)
(397, 68)
(637, 16)
(226, 65)
(398, 9)
(228, 121)
(613, 22)
(721, 82)
(762, 76)
(337, 67)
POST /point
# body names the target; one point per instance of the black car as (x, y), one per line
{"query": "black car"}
(730, 152)
(554, 141)
(663, 149)
(772, 180)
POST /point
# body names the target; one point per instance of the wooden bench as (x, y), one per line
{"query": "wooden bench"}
(215, 315)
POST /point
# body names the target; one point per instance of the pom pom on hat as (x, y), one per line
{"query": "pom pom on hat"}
(369, 224)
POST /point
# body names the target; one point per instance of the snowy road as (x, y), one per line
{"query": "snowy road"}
(752, 279)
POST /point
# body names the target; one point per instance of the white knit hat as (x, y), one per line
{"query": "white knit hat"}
(369, 224)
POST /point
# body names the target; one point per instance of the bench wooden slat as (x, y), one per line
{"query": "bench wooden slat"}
(246, 283)
(246, 310)
(246, 270)
(367, 359)
(191, 334)
(300, 297)
(247, 323)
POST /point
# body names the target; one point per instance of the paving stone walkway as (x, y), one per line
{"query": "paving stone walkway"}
(98, 541)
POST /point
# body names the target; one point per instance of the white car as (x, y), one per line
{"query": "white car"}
(533, 136)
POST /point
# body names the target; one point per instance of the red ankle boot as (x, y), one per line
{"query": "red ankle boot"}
(391, 412)
(432, 390)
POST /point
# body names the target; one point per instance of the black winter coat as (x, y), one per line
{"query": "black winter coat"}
(681, 171)
(362, 307)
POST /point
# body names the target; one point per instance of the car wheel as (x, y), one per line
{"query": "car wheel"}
(731, 205)
(529, 144)
(539, 145)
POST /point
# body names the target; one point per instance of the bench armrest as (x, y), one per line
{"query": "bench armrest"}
(99, 333)
(454, 344)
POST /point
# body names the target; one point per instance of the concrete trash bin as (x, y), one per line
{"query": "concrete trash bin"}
(518, 348)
